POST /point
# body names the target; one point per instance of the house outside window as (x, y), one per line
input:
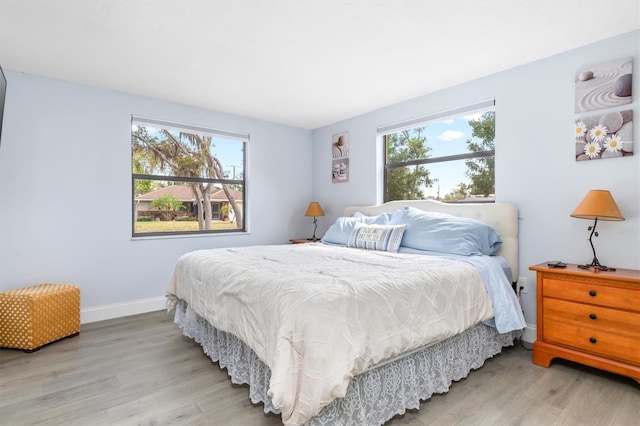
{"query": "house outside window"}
(186, 179)
(447, 156)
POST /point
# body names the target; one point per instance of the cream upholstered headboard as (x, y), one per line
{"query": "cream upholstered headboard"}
(502, 216)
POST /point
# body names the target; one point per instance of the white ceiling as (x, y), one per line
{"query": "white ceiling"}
(305, 63)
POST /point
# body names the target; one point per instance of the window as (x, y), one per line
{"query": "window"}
(448, 156)
(187, 179)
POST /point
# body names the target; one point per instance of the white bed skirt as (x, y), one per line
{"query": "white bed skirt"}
(374, 396)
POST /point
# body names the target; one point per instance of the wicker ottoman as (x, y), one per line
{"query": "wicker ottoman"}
(33, 316)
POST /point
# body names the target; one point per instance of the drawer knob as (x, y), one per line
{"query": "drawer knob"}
(593, 339)
(593, 316)
(592, 293)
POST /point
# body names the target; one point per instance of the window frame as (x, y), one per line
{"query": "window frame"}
(243, 138)
(385, 130)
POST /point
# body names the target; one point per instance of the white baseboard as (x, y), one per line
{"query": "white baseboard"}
(530, 334)
(117, 310)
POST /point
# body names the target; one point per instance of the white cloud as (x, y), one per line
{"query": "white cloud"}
(450, 135)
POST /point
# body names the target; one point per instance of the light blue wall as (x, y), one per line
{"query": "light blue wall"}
(535, 163)
(65, 189)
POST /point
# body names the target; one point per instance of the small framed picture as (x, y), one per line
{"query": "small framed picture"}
(340, 170)
(340, 145)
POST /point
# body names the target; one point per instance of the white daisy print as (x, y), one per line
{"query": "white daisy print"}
(598, 133)
(613, 143)
(580, 129)
(592, 149)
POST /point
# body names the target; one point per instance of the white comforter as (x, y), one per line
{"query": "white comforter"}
(317, 315)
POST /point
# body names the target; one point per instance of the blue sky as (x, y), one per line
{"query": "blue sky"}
(229, 152)
(448, 137)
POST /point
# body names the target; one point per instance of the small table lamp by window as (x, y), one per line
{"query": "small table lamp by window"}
(314, 210)
(597, 204)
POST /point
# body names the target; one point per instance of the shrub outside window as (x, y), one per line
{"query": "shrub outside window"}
(186, 179)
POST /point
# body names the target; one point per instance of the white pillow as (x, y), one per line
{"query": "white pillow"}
(339, 232)
(376, 237)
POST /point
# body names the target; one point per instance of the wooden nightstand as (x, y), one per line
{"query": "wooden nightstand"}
(302, 241)
(587, 316)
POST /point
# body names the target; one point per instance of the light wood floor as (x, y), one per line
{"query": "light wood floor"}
(139, 370)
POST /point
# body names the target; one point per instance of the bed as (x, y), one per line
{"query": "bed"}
(391, 307)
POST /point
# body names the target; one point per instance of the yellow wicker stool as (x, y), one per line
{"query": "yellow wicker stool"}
(33, 316)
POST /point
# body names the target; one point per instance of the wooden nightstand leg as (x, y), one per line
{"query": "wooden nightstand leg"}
(541, 355)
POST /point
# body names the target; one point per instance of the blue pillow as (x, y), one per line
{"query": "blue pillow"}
(381, 219)
(447, 234)
(339, 232)
(376, 237)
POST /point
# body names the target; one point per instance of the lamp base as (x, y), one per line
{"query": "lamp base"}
(594, 263)
(597, 266)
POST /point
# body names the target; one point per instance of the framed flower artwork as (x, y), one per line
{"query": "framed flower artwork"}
(604, 136)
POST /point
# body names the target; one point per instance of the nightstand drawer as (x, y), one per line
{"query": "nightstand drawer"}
(592, 340)
(592, 293)
(583, 315)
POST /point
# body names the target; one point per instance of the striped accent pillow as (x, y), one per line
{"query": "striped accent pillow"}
(376, 237)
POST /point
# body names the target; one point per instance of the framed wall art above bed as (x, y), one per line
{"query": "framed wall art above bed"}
(333, 333)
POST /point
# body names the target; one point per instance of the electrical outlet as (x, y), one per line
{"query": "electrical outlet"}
(523, 282)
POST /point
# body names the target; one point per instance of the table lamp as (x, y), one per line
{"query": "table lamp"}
(597, 204)
(314, 210)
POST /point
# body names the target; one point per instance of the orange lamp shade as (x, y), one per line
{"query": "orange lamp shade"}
(598, 204)
(314, 209)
